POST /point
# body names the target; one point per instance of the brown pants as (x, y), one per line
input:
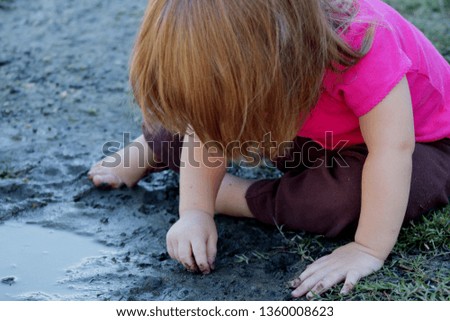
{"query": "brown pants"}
(321, 193)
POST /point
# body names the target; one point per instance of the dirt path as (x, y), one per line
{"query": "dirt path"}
(63, 94)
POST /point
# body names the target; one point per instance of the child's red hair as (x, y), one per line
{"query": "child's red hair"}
(235, 70)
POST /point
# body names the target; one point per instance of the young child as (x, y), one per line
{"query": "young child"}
(361, 93)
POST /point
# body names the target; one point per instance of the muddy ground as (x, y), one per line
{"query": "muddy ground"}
(63, 94)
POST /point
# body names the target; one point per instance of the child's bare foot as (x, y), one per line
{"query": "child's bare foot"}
(126, 167)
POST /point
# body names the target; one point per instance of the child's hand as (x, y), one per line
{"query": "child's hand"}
(192, 241)
(350, 262)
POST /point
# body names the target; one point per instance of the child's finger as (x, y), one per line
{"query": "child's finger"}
(313, 268)
(199, 249)
(185, 256)
(106, 179)
(96, 170)
(211, 251)
(325, 284)
(307, 284)
(304, 287)
(295, 283)
(350, 282)
(170, 250)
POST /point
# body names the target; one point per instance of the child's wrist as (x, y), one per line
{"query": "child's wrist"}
(379, 245)
(381, 254)
(195, 213)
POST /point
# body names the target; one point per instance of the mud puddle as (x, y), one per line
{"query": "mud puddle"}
(33, 259)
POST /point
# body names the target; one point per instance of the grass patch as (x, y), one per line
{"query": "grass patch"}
(418, 268)
(431, 17)
(412, 7)
(430, 236)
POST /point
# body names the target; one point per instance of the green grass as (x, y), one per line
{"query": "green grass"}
(418, 268)
(427, 237)
(430, 16)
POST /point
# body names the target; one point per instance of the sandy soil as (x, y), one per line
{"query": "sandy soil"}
(63, 94)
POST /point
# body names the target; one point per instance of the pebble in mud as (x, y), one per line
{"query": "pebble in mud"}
(9, 280)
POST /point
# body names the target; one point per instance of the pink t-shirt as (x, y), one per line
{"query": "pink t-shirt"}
(398, 49)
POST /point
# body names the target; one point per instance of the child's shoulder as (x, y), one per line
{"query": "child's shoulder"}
(386, 62)
(387, 23)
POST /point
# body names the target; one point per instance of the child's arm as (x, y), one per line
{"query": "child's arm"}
(192, 239)
(388, 131)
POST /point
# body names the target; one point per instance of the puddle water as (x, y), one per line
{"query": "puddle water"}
(33, 259)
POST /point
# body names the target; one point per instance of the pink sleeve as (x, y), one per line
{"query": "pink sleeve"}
(367, 83)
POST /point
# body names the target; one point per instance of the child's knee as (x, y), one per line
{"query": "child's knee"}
(165, 146)
(329, 213)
